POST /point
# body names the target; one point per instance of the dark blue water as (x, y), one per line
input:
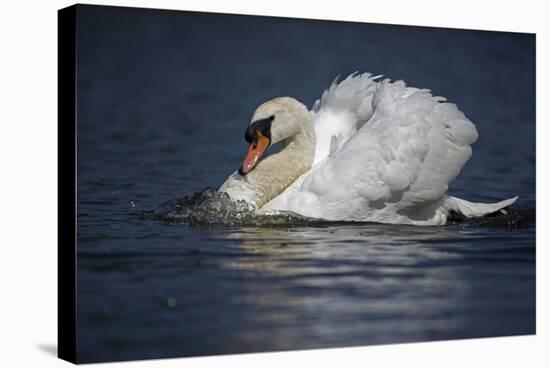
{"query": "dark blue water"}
(163, 101)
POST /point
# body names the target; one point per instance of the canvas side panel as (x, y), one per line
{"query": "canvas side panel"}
(66, 226)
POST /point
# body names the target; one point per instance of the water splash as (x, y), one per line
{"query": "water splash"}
(210, 208)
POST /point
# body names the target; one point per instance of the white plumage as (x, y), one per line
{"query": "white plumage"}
(384, 152)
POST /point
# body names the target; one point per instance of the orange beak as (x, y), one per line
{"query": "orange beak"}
(255, 151)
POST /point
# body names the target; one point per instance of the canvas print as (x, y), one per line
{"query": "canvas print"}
(251, 184)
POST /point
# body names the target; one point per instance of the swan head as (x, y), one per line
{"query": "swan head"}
(273, 121)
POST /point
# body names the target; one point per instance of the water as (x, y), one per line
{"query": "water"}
(163, 101)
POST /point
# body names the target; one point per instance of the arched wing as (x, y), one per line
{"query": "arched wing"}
(340, 112)
(401, 160)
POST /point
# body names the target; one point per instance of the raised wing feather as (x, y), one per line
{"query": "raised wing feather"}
(399, 163)
(340, 112)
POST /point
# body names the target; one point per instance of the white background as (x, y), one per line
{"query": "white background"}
(28, 179)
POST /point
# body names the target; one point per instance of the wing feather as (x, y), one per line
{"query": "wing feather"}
(401, 160)
(341, 111)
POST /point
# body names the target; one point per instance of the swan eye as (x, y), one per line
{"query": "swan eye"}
(262, 126)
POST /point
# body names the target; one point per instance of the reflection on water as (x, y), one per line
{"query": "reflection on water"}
(402, 283)
(228, 290)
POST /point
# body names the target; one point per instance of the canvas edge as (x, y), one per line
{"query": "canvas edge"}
(66, 175)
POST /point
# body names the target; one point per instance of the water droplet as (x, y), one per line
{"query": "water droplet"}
(172, 302)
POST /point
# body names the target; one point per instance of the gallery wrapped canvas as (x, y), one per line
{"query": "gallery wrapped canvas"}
(239, 184)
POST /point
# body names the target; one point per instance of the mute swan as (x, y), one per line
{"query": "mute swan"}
(369, 150)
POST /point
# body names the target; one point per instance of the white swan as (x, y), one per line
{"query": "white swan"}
(369, 150)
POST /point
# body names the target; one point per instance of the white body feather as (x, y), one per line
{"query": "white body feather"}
(384, 152)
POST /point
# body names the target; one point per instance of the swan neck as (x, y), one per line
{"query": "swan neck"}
(277, 172)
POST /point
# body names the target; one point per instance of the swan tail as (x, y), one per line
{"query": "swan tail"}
(471, 209)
